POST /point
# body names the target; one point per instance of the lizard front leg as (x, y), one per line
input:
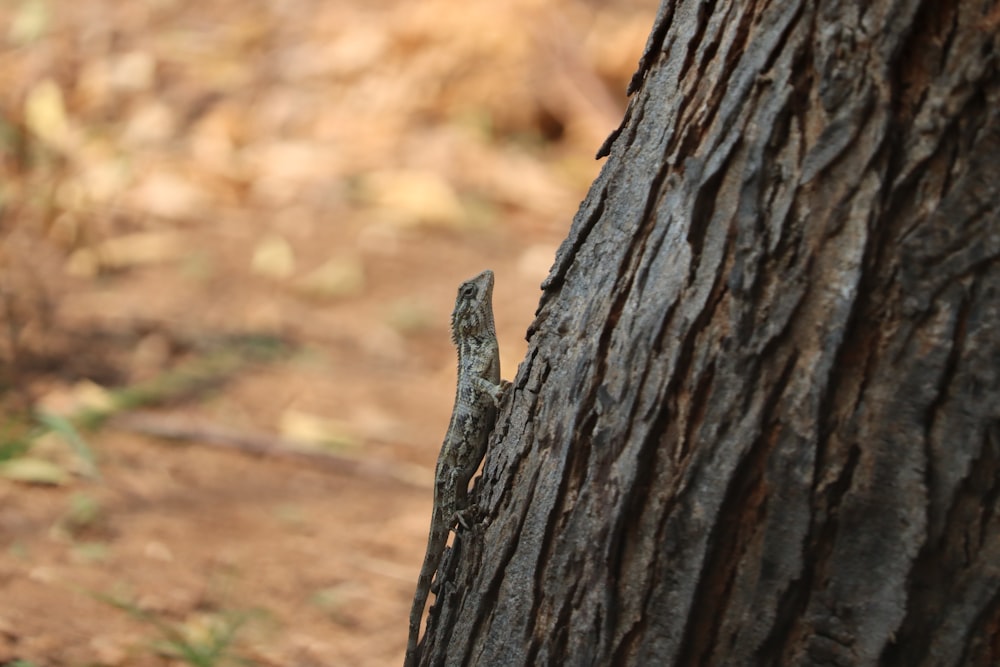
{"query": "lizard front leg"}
(495, 391)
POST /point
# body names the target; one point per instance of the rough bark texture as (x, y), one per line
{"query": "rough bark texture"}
(759, 418)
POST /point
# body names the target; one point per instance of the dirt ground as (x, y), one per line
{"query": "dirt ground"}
(177, 178)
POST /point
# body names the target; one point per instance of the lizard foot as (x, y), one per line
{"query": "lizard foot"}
(501, 390)
(469, 517)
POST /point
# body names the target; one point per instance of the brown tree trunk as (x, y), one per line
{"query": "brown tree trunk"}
(759, 419)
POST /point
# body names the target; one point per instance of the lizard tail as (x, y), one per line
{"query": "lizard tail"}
(416, 615)
(435, 547)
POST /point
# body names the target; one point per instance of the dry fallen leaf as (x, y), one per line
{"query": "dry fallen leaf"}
(152, 122)
(124, 252)
(169, 195)
(413, 198)
(102, 179)
(68, 400)
(30, 22)
(293, 161)
(45, 114)
(337, 277)
(133, 71)
(309, 429)
(33, 471)
(274, 258)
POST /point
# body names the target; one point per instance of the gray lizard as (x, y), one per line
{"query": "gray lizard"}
(478, 393)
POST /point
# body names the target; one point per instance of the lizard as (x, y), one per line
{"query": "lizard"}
(477, 396)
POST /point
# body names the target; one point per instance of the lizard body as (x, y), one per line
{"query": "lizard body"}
(478, 392)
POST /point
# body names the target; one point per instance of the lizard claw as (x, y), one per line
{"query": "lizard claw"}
(499, 391)
(469, 517)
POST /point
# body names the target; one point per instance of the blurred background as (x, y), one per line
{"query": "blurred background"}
(230, 239)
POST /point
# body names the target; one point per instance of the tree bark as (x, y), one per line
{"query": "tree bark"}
(758, 422)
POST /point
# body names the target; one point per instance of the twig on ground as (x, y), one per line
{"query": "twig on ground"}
(257, 444)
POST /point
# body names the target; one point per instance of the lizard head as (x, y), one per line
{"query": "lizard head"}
(473, 314)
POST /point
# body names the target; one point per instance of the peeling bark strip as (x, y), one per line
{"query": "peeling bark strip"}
(759, 418)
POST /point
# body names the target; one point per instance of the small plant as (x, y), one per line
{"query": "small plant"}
(19, 434)
(13, 447)
(65, 429)
(84, 512)
(207, 640)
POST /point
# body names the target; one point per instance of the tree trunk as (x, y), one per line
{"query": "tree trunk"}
(759, 418)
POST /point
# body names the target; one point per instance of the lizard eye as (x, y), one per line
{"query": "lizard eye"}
(468, 291)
